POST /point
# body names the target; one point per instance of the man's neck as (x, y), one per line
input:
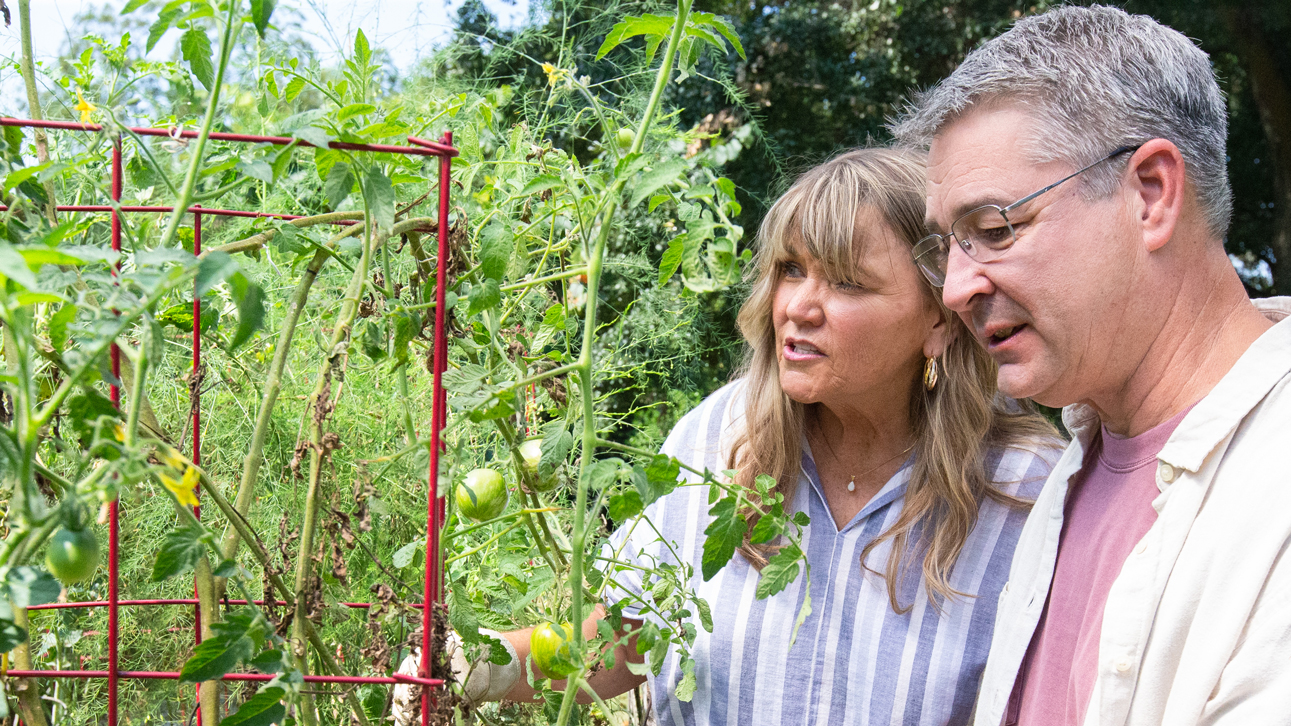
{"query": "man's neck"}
(1210, 326)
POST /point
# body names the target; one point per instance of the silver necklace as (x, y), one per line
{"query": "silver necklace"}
(851, 485)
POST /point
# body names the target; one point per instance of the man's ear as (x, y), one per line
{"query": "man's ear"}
(939, 338)
(1158, 183)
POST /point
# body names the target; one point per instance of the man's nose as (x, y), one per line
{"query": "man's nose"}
(965, 279)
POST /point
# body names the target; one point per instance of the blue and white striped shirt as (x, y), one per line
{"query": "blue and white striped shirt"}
(855, 660)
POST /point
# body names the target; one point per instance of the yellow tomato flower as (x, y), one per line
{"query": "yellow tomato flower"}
(554, 75)
(85, 107)
(184, 488)
(173, 458)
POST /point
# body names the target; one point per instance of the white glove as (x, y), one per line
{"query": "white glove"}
(481, 682)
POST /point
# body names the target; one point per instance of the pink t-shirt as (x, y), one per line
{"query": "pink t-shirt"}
(1108, 511)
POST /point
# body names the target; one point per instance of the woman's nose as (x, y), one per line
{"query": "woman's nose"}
(806, 303)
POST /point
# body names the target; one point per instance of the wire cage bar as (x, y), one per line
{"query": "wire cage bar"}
(432, 594)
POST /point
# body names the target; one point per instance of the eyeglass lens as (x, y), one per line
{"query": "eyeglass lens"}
(983, 229)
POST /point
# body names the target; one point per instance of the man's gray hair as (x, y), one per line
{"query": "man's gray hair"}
(1095, 78)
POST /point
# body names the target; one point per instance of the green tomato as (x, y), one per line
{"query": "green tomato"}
(73, 555)
(531, 452)
(482, 495)
(625, 137)
(552, 647)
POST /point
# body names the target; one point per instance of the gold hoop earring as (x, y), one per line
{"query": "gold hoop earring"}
(930, 374)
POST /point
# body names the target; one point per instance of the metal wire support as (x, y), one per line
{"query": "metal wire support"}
(433, 590)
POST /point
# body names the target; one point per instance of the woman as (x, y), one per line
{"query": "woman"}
(876, 413)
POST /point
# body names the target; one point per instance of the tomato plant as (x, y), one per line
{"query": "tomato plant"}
(576, 270)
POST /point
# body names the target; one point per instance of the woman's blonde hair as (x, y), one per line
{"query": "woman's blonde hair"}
(955, 424)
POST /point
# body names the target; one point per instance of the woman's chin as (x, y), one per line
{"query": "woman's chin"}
(798, 390)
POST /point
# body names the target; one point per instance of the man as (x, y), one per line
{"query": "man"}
(1078, 193)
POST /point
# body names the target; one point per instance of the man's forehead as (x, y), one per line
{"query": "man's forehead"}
(977, 159)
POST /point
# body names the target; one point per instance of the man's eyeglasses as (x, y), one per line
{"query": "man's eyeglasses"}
(983, 233)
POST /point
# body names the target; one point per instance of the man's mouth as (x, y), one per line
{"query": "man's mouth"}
(999, 336)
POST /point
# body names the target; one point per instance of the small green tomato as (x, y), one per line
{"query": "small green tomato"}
(73, 555)
(625, 137)
(482, 495)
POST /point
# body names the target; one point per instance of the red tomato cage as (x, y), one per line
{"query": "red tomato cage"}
(432, 592)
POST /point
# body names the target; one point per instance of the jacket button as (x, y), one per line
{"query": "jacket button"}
(1123, 665)
(1167, 472)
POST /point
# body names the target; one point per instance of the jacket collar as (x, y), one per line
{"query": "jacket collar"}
(1259, 369)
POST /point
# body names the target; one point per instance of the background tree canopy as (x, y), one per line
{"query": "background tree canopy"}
(823, 76)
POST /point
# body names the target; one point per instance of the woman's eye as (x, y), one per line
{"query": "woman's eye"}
(790, 269)
(849, 286)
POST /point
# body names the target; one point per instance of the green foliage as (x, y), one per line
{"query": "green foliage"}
(237, 639)
(561, 318)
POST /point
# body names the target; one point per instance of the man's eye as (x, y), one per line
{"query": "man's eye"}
(994, 236)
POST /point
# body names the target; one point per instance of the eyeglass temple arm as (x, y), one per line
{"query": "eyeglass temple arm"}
(1033, 195)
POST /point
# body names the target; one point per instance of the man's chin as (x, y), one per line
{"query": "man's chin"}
(1016, 381)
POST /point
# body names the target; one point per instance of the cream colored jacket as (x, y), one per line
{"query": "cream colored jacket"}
(1197, 628)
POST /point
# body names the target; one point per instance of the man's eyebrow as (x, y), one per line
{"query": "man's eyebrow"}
(982, 200)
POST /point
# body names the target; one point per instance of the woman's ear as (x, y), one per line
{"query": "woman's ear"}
(939, 338)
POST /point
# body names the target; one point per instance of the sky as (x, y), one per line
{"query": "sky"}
(407, 29)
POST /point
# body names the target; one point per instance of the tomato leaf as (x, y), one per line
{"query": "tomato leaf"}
(541, 183)
(496, 245)
(14, 267)
(661, 175)
(705, 614)
(269, 661)
(11, 635)
(179, 553)
(260, 12)
(483, 297)
(354, 109)
(769, 526)
(29, 586)
(624, 505)
(196, 46)
(361, 48)
(235, 640)
(462, 614)
(724, 534)
(250, 300)
(404, 556)
(685, 690)
(262, 709)
(293, 89)
(671, 259)
(378, 192)
(556, 443)
(340, 182)
(656, 26)
(781, 570)
(58, 322)
(215, 267)
(160, 26)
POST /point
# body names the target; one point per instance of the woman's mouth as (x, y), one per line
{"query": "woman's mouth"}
(800, 350)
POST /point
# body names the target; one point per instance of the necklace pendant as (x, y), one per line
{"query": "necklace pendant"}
(851, 485)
